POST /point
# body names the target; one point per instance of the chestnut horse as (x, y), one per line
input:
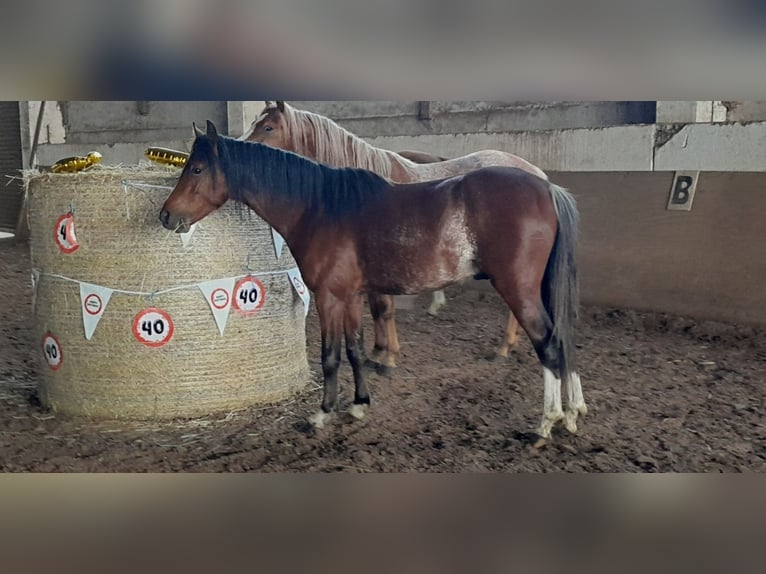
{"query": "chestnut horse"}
(352, 231)
(319, 138)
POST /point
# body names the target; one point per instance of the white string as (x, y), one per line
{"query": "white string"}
(170, 289)
(139, 185)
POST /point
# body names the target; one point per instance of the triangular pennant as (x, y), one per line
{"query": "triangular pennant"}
(300, 288)
(218, 294)
(279, 242)
(186, 237)
(93, 300)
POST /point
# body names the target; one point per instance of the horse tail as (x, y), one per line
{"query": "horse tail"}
(560, 285)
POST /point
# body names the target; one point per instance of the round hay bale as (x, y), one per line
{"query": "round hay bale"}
(260, 358)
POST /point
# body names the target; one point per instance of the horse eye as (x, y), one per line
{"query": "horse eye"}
(197, 170)
(267, 128)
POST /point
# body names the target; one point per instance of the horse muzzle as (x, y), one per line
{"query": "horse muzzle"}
(172, 222)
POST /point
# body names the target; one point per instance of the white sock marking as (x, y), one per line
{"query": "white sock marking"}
(552, 411)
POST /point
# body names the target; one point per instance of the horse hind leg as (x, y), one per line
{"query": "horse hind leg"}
(527, 306)
(510, 338)
(386, 350)
(437, 302)
(378, 306)
(575, 402)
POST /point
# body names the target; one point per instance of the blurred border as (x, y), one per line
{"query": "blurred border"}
(466, 523)
(422, 49)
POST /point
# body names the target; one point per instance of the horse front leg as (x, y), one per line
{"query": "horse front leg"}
(331, 314)
(355, 353)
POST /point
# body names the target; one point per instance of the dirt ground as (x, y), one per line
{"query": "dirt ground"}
(665, 394)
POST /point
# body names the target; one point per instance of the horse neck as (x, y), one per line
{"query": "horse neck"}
(325, 141)
(262, 181)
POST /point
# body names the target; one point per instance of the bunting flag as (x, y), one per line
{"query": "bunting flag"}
(218, 294)
(93, 299)
(279, 242)
(300, 288)
(186, 237)
(245, 293)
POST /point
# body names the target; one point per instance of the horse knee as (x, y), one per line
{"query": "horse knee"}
(330, 365)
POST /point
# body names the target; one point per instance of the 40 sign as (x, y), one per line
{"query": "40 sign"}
(52, 351)
(153, 327)
(249, 296)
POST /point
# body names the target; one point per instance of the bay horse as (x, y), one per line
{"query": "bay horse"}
(321, 139)
(352, 231)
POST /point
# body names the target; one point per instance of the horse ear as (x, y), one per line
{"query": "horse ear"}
(281, 106)
(197, 131)
(212, 133)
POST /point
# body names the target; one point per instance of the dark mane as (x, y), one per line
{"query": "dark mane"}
(256, 167)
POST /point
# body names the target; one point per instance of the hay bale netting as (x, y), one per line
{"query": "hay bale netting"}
(259, 359)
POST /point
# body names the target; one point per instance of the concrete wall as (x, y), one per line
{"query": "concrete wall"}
(585, 138)
(619, 148)
(119, 130)
(387, 118)
(714, 147)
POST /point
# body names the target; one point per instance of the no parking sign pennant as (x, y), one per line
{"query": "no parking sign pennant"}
(300, 288)
(93, 299)
(218, 293)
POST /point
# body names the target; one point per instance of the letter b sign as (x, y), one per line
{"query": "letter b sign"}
(682, 191)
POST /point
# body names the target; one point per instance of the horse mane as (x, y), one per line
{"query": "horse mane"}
(336, 146)
(335, 192)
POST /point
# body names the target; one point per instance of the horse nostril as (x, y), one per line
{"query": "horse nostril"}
(165, 217)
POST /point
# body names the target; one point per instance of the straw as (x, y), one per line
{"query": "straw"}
(259, 359)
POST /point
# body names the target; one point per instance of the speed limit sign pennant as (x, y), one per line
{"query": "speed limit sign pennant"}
(294, 275)
(218, 294)
(93, 300)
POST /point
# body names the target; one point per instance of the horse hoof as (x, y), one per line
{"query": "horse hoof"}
(570, 423)
(384, 370)
(370, 364)
(319, 419)
(540, 443)
(357, 411)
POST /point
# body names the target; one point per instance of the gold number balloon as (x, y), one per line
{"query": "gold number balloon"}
(167, 156)
(76, 163)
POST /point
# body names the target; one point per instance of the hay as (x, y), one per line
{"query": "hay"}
(259, 359)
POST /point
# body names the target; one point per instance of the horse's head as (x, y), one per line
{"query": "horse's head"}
(202, 187)
(270, 127)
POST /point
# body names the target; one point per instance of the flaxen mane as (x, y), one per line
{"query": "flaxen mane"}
(336, 146)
